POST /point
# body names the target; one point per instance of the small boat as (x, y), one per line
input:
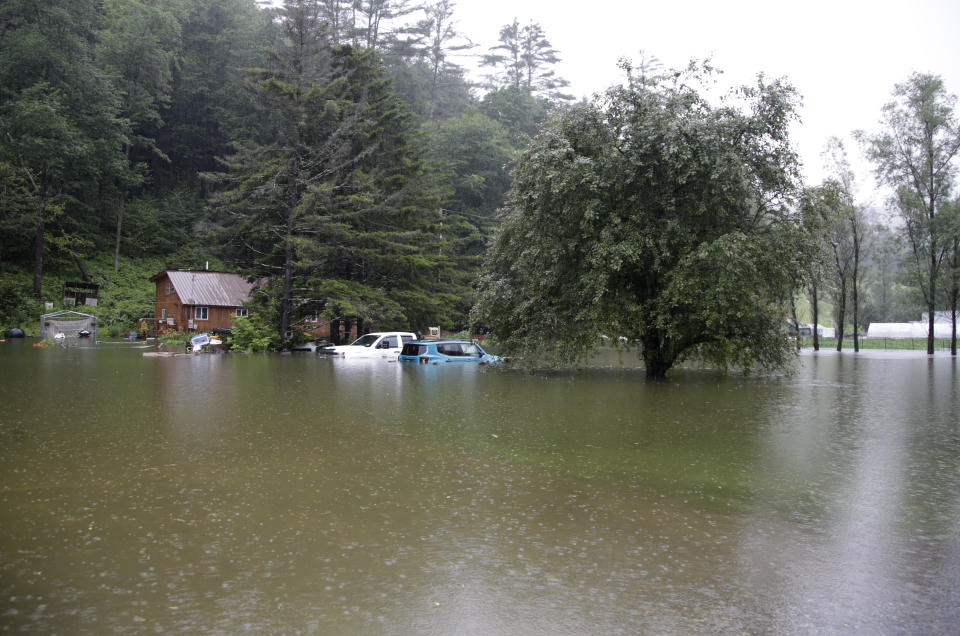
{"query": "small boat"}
(198, 342)
(83, 333)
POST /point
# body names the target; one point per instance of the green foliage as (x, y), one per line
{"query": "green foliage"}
(160, 225)
(524, 59)
(109, 110)
(175, 340)
(654, 216)
(915, 155)
(18, 307)
(254, 334)
(339, 211)
(518, 110)
(472, 151)
(209, 108)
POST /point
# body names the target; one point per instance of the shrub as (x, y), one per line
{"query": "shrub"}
(253, 334)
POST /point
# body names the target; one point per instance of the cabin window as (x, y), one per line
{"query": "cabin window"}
(312, 318)
(241, 312)
(169, 288)
(201, 313)
(163, 314)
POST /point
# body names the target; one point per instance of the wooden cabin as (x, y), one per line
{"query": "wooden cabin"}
(199, 300)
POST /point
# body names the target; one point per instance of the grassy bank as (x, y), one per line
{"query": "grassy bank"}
(902, 344)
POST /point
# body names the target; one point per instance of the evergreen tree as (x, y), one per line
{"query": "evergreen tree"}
(442, 40)
(524, 59)
(332, 212)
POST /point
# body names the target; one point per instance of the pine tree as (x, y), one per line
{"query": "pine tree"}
(333, 212)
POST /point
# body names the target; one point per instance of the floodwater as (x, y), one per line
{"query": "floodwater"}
(298, 494)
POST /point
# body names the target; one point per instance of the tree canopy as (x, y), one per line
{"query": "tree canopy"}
(652, 216)
(915, 154)
(337, 211)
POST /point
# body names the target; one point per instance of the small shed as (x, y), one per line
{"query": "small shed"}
(80, 294)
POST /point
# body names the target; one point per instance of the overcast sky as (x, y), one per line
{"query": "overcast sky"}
(844, 56)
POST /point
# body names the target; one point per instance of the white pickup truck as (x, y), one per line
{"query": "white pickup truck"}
(381, 344)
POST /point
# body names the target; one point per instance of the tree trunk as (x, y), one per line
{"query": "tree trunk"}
(287, 300)
(335, 332)
(656, 369)
(38, 249)
(657, 360)
(931, 299)
(116, 247)
(856, 264)
(83, 269)
(796, 324)
(123, 202)
(816, 317)
(841, 314)
(954, 293)
(953, 326)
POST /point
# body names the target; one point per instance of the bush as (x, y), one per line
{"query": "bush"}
(18, 307)
(174, 339)
(253, 334)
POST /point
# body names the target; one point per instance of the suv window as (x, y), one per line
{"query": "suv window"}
(450, 349)
(414, 350)
(407, 339)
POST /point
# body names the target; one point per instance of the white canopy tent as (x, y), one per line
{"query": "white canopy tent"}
(941, 330)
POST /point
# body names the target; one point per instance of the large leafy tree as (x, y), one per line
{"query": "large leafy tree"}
(915, 154)
(654, 216)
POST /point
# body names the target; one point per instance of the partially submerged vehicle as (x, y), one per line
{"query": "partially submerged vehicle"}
(312, 346)
(381, 344)
(444, 351)
(199, 341)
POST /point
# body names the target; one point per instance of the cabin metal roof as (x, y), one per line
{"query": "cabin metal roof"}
(213, 289)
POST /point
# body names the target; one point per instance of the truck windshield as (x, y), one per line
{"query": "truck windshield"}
(365, 341)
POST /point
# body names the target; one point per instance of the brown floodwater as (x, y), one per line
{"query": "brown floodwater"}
(301, 494)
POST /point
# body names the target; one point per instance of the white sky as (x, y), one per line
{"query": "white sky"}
(844, 56)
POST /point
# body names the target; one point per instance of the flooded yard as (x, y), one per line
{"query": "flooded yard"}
(302, 494)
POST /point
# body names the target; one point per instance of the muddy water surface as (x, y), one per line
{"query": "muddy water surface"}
(299, 494)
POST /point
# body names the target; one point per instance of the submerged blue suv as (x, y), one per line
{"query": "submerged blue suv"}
(437, 351)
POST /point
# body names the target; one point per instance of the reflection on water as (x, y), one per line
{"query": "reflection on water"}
(242, 494)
